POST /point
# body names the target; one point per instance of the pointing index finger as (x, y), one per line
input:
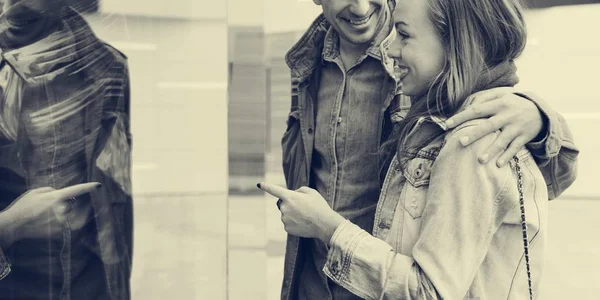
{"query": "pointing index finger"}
(75, 190)
(275, 190)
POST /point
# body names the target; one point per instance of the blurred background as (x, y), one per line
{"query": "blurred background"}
(210, 96)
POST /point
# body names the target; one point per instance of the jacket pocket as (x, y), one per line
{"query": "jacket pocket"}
(417, 173)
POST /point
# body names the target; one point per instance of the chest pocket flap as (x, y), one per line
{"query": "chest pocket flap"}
(417, 173)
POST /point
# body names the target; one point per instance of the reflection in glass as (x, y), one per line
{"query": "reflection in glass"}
(64, 121)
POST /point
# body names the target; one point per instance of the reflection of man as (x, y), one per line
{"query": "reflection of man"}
(64, 120)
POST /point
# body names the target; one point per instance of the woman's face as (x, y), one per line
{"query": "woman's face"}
(417, 49)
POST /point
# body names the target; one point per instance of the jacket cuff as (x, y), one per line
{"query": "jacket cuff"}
(344, 241)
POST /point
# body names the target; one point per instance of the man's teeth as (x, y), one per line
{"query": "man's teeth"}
(359, 22)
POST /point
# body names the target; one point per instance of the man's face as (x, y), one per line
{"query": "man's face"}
(356, 21)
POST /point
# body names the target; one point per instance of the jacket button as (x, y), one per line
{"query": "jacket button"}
(310, 130)
(418, 172)
(335, 270)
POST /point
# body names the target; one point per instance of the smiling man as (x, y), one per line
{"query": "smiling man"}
(344, 104)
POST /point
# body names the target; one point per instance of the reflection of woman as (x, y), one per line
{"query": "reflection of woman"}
(31, 214)
(446, 227)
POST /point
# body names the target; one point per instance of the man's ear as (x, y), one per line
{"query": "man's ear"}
(318, 2)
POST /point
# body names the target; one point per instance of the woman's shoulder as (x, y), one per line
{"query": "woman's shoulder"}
(464, 132)
(454, 158)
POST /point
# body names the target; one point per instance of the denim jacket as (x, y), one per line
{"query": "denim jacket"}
(58, 58)
(555, 154)
(443, 234)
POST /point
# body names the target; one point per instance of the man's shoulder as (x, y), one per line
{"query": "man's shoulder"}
(307, 50)
(117, 60)
(115, 51)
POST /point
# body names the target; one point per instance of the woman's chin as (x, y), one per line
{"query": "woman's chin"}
(408, 90)
(413, 91)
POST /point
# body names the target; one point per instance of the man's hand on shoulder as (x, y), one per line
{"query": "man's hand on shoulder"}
(519, 120)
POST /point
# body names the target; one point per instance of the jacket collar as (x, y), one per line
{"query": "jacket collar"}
(303, 56)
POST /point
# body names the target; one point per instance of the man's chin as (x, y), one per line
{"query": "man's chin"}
(364, 39)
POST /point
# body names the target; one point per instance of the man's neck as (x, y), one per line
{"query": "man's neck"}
(350, 53)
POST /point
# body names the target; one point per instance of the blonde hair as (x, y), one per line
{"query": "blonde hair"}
(477, 35)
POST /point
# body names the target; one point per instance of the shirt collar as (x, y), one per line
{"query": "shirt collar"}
(425, 121)
(331, 46)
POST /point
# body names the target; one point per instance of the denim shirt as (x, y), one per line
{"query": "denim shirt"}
(350, 109)
(60, 62)
(447, 235)
(556, 154)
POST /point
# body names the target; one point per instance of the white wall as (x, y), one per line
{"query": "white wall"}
(189, 9)
(272, 15)
(250, 13)
(561, 64)
(289, 15)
